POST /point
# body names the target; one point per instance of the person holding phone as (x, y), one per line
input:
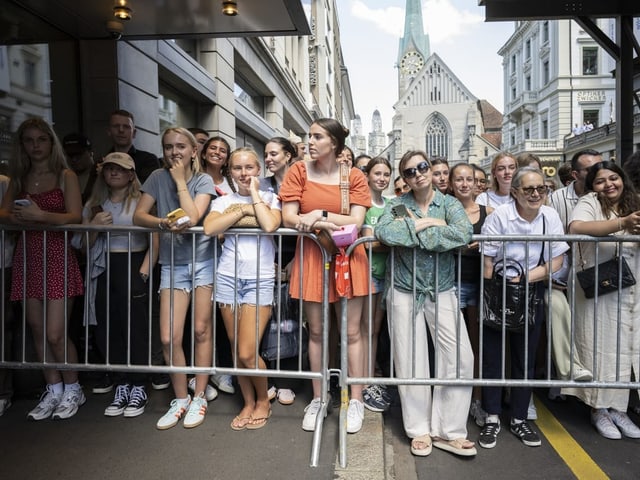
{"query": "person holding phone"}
(181, 184)
(426, 227)
(43, 191)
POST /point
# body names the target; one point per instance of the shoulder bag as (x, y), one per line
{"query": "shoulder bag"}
(609, 275)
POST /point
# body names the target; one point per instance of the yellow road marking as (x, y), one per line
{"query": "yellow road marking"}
(580, 463)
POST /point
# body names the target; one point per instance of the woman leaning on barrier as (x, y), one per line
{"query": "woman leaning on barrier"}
(612, 208)
(43, 191)
(429, 225)
(244, 280)
(183, 272)
(527, 215)
(311, 200)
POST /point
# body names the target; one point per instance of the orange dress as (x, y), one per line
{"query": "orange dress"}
(312, 196)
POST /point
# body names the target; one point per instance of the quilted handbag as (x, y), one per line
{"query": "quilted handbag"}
(611, 273)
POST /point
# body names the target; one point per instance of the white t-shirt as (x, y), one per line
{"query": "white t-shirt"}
(246, 246)
(492, 199)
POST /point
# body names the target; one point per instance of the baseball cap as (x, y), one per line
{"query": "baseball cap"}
(122, 159)
(75, 143)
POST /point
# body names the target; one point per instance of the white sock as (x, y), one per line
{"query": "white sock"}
(72, 386)
(516, 421)
(58, 388)
(492, 419)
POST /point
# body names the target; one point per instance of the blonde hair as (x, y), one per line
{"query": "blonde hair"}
(494, 164)
(20, 163)
(102, 192)
(247, 150)
(195, 161)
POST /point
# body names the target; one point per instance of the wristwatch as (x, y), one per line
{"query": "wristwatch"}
(325, 215)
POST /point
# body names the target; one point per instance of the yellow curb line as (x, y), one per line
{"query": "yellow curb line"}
(580, 463)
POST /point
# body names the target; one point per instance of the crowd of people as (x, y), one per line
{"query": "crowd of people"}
(420, 275)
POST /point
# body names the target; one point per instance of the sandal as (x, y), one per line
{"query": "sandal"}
(239, 423)
(285, 396)
(421, 446)
(458, 446)
(259, 422)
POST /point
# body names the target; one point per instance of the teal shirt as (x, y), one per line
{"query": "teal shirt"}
(401, 234)
(378, 259)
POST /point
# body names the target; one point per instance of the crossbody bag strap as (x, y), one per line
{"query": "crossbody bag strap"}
(544, 230)
(344, 189)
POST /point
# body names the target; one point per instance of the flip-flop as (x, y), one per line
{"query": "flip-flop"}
(240, 423)
(421, 452)
(259, 422)
(458, 446)
(286, 396)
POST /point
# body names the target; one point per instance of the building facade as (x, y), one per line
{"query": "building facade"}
(246, 89)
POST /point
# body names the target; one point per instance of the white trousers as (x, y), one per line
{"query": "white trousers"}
(443, 414)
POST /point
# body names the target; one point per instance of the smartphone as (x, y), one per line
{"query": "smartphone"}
(23, 202)
(178, 216)
(399, 211)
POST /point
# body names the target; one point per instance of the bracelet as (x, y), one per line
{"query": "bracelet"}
(161, 226)
(258, 203)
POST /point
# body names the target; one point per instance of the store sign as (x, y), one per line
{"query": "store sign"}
(591, 96)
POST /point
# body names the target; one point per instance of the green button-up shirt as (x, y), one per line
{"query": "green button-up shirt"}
(431, 244)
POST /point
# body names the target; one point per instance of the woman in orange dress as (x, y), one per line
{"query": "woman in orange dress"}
(311, 201)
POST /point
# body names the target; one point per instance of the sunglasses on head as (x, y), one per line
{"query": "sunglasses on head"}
(422, 167)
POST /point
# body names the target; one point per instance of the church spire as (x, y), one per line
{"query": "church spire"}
(414, 30)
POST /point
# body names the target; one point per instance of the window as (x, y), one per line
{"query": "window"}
(30, 74)
(513, 93)
(590, 61)
(592, 117)
(545, 31)
(527, 49)
(437, 138)
(527, 83)
(545, 72)
(527, 133)
(545, 128)
(513, 63)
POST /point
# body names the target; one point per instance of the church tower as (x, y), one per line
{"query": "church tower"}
(414, 46)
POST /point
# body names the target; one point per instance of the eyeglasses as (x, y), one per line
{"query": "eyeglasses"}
(422, 167)
(528, 191)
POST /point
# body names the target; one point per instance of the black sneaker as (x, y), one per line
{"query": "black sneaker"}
(137, 401)
(160, 381)
(526, 434)
(120, 401)
(489, 435)
(104, 385)
(374, 400)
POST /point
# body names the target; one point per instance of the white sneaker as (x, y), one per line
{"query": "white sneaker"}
(310, 414)
(272, 393)
(196, 412)
(224, 383)
(72, 399)
(210, 393)
(355, 416)
(175, 413)
(601, 419)
(582, 375)
(624, 423)
(5, 403)
(48, 403)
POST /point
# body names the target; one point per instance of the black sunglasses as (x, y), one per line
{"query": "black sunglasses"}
(422, 167)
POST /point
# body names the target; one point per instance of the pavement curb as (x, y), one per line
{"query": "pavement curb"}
(366, 452)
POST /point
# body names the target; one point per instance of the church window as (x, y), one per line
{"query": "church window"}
(437, 138)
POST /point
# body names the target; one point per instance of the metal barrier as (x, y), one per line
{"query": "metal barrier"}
(23, 359)
(547, 379)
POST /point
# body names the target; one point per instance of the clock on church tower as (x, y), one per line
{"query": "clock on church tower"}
(411, 63)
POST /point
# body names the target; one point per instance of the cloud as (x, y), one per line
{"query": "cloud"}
(443, 20)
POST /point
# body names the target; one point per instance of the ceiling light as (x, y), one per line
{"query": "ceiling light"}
(121, 10)
(230, 8)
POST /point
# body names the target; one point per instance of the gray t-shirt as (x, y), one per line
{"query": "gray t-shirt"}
(162, 188)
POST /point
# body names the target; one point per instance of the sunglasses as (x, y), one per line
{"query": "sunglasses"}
(542, 190)
(422, 168)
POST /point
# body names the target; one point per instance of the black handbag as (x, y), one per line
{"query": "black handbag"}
(512, 313)
(289, 339)
(611, 273)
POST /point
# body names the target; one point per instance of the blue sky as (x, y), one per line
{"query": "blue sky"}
(370, 31)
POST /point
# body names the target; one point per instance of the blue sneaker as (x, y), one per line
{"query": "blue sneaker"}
(374, 399)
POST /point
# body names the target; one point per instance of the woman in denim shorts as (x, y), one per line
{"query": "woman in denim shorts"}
(245, 278)
(186, 266)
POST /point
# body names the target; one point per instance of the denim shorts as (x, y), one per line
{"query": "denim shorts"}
(231, 290)
(182, 275)
(377, 285)
(468, 294)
